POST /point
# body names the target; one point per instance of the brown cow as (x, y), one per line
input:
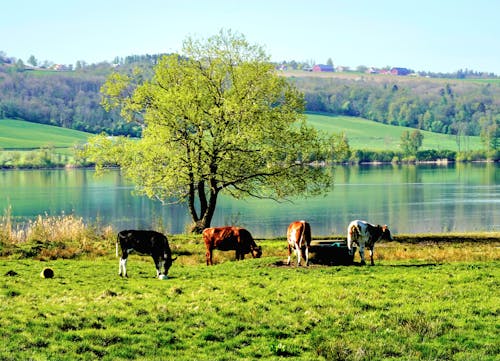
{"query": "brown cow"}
(299, 238)
(230, 238)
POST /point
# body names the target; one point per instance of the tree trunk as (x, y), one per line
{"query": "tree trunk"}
(206, 215)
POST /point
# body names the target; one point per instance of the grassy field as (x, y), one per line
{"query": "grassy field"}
(15, 134)
(24, 144)
(365, 134)
(361, 133)
(425, 301)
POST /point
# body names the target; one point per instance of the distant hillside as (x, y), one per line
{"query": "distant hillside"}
(448, 106)
(18, 134)
(366, 134)
(71, 99)
(361, 134)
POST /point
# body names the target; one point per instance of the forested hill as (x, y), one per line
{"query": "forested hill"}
(71, 99)
(450, 106)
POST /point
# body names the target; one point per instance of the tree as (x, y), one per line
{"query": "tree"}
(32, 60)
(490, 131)
(410, 143)
(215, 119)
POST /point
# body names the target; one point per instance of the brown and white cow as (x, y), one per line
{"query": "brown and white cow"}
(230, 238)
(363, 233)
(299, 238)
(149, 243)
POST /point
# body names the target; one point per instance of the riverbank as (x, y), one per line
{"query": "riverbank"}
(68, 237)
(39, 159)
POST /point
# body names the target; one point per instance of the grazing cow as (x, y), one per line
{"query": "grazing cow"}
(299, 238)
(363, 233)
(149, 243)
(230, 238)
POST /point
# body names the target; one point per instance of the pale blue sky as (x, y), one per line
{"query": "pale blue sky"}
(432, 35)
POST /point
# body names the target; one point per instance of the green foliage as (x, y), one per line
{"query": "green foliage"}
(411, 142)
(452, 107)
(247, 310)
(216, 119)
(433, 155)
(66, 99)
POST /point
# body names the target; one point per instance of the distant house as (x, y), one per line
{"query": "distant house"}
(322, 68)
(400, 71)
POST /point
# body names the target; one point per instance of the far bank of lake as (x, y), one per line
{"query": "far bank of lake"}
(422, 198)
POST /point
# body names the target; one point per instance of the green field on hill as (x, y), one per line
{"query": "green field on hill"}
(18, 134)
(361, 133)
(366, 134)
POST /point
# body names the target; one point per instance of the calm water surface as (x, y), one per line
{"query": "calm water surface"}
(410, 199)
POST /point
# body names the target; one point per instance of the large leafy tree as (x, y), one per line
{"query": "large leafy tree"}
(216, 118)
(411, 142)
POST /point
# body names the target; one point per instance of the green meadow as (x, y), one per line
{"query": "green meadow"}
(31, 145)
(425, 301)
(361, 133)
(369, 135)
(16, 134)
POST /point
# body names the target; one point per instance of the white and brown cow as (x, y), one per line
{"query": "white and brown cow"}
(299, 239)
(149, 243)
(363, 233)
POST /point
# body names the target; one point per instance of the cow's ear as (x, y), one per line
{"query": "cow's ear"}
(384, 227)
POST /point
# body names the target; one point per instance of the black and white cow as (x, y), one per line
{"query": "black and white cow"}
(363, 233)
(149, 243)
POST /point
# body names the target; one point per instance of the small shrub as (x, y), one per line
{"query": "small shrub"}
(284, 350)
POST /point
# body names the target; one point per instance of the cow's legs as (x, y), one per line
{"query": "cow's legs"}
(122, 270)
(371, 257)
(289, 254)
(362, 253)
(298, 253)
(208, 256)
(307, 256)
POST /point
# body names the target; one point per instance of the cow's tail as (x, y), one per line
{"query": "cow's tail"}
(117, 241)
(307, 233)
(302, 234)
(352, 235)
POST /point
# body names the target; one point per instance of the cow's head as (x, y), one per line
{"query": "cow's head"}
(386, 234)
(167, 264)
(256, 252)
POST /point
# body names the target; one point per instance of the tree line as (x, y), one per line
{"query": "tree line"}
(460, 108)
(72, 99)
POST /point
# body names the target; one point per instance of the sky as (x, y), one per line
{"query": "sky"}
(424, 35)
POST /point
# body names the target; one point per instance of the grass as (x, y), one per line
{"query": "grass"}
(365, 134)
(428, 298)
(18, 134)
(253, 309)
(31, 145)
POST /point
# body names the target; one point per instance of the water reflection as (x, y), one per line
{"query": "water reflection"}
(410, 199)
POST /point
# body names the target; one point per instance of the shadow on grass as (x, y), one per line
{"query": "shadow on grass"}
(358, 264)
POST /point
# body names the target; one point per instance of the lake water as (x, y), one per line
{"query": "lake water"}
(409, 198)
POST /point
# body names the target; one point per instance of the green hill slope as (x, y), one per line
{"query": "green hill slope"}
(18, 134)
(369, 135)
(361, 133)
